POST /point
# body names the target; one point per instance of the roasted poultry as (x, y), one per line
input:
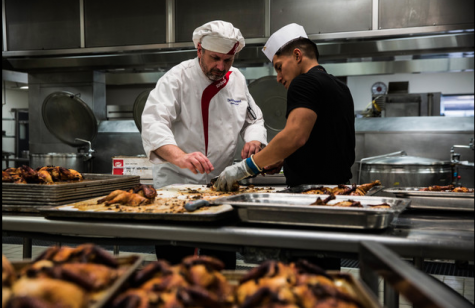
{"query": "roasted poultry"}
(125, 198)
(42, 175)
(195, 283)
(146, 191)
(448, 188)
(299, 285)
(61, 277)
(347, 203)
(341, 189)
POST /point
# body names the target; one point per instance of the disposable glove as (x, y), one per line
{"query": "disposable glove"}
(234, 173)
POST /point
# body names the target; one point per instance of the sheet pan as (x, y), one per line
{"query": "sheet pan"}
(295, 209)
(434, 200)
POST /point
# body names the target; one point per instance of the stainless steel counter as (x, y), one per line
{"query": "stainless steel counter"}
(413, 234)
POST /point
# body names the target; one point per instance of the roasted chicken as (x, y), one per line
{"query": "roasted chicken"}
(73, 277)
(42, 175)
(448, 188)
(125, 198)
(347, 203)
(341, 189)
(146, 191)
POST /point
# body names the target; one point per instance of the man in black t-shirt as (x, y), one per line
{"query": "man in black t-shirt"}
(317, 145)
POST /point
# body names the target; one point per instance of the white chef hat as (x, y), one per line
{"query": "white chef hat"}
(219, 36)
(281, 38)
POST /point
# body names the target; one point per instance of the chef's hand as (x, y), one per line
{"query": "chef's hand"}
(234, 173)
(275, 168)
(196, 162)
(252, 147)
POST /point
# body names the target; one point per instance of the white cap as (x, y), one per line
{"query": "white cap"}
(281, 38)
(219, 36)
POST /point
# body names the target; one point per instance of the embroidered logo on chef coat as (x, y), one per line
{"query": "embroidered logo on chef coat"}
(234, 101)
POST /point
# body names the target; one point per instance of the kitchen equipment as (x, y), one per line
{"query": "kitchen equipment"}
(301, 188)
(67, 160)
(72, 121)
(407, 171)
(268, 179)
(139, 105)
(271, 97)
(25, 197)
(68, 117)
(293, 209)
(194, 205)
(434, 200)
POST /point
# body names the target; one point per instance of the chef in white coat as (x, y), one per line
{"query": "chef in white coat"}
(192, 119)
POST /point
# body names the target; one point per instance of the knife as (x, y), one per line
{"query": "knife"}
(194, 205)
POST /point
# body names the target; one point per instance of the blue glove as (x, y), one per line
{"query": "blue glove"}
(234, 173)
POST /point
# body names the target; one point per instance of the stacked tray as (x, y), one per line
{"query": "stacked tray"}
(434, 200)
(24, 197)
(294, 209)
(304, 187)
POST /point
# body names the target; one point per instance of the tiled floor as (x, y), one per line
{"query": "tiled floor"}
(463, 285)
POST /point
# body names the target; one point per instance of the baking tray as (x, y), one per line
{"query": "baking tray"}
(434, 200)
(132, 262)
(295, 209)
(366, 298)
(65, 192)
(301, 188)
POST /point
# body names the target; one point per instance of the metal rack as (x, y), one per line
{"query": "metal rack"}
(400, 277)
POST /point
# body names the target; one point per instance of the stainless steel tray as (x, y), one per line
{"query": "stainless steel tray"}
(434, 200)
(304, 187)
(295, 209)
(63, 193)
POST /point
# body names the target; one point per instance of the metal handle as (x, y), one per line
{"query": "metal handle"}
(90, 151)
(419, 288)
(402, 153)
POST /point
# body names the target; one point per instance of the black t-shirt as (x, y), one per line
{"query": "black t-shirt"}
(329, 153)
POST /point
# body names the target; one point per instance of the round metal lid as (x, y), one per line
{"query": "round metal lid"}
(405, 160)
(139, 105)
(68, 117)
(271, 97)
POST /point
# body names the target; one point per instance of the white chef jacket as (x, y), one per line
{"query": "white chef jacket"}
(173, 115)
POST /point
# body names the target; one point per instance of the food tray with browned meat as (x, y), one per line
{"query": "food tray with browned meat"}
(83, 276)
(167, 205)
(369, 189)
(354, 286)
(297, 209)
(23, 196)
(434, 200)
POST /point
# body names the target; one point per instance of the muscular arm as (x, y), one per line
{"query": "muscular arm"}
(196, 161)
(295, 134)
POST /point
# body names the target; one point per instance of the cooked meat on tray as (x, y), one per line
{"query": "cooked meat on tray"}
(353, 190)
(448, 188)
(347, 203)
(42, 175)
(61, 277)
(196, 282)
(148, 200)
(301, 284)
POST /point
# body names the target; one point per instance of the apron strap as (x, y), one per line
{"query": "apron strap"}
(208, 94)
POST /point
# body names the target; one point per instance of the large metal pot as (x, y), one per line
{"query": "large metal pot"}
(406, 171)
(66, 160)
